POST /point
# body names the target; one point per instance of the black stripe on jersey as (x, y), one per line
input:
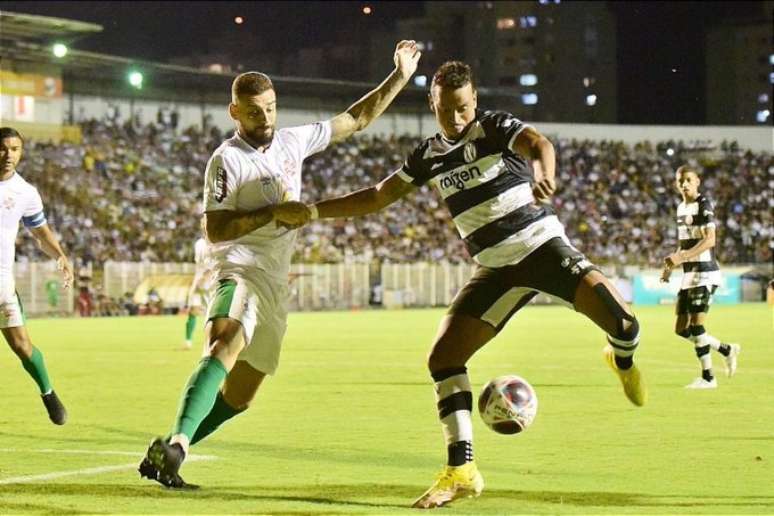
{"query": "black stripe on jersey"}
(467, 199)
(689, 242)
(504, 227)
(462, 400)
(709, 266)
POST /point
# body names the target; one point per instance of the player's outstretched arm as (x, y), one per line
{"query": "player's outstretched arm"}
(224, 225)
(540, 151)
(365, 201)
(367, 109)
(50, 245)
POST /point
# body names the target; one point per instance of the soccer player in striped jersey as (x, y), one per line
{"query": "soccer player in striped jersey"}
(701, 276)
(252, 189)
(496, 175)
(20, 202)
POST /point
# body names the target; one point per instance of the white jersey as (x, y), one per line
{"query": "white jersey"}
(19, 201)
(241, 178)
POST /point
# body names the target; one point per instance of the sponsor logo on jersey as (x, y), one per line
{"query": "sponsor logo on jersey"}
(458, 178)
(221, 185)
(688, 220)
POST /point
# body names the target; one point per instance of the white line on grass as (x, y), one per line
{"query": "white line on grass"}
(85, 471)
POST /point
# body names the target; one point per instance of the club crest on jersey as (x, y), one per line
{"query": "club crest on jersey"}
(469, 152)
(8, 203)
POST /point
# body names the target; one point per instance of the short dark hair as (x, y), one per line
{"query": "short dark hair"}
(687, 169)
(453, 74)
(250, 84)
(10, 132)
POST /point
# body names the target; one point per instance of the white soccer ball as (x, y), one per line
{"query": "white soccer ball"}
(508, 404)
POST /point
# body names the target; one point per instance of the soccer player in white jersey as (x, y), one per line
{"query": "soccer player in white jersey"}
(20, 202)
(195, 301)
(251, 198)
(490, 169)
(701, 276)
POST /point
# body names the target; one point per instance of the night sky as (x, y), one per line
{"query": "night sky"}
(653, 38)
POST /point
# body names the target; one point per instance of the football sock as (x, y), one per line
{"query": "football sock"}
(623, 350)
(703, 342)
(36, 368)
(190, 325)
(199, 396)
(455, 405)
(220, 413)
(724, 349)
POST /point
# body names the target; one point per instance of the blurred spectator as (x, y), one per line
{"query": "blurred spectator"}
(134, 193)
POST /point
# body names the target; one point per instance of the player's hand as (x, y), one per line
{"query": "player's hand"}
(666, 272)
(673, 260)
(291, 214)
(544, 189)
(63, 265)
(407, 57)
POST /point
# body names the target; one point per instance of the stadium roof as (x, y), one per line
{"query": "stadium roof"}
(30, 27)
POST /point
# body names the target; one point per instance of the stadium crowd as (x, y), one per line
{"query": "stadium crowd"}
(134, 193)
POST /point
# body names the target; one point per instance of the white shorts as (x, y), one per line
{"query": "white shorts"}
(11, 311)
(260, 304)
(197, 300)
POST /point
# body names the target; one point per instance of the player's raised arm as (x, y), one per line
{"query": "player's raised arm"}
(365, 201)
(50, 245)
(360, 114)
(540, 151)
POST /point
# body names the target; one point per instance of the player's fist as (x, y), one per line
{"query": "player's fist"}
(406, 57)
(666, 272)
(673, 260)
(63, 264)
(291, 214)
(544, 189)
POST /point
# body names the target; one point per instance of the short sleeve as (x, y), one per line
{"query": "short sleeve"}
(416, 170)
(310, 139)
(33, 216)
(706, 213)
(502, 128)
(221, 183)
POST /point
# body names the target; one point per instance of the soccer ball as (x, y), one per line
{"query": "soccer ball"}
(508, 404)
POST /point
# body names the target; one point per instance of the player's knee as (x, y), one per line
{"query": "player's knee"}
(628, 329)
(683, 331)
(697, 329)
(238, 400)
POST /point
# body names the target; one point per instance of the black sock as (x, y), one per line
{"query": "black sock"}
(623, 363)
(724, 349)
(460, 453)
(707, 374)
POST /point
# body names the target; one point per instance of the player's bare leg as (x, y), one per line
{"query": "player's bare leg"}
(32, 360)
(459, 337)
(600, 301)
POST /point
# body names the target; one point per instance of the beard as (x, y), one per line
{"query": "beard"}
(262, 136)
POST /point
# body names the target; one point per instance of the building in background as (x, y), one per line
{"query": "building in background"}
(740, 71)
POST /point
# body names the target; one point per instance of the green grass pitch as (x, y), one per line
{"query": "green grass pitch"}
(349, 423)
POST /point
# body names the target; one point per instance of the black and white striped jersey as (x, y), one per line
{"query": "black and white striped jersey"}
(692, 217)
(487, 189)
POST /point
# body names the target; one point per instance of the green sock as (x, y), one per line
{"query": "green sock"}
(37, 370)
(220, 413)
(199, 395)
(190, 325)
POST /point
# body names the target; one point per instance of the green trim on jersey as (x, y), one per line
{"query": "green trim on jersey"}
(224, 296)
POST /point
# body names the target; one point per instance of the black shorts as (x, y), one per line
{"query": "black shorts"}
(495, 295)
(694, 300)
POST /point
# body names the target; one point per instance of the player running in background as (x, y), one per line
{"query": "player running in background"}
(21, 202)
(196, 299)
(701, 276)
(490, 168)
(252, 189)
